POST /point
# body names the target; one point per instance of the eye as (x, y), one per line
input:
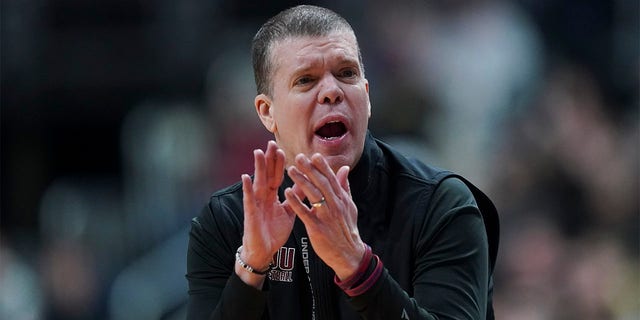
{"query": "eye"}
(304, 80)
(348, 73)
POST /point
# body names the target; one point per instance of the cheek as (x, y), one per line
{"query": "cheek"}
(290, 122)
(364, 106)
(285, 119)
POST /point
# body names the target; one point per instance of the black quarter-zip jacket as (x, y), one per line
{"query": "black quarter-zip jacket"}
(435, 233)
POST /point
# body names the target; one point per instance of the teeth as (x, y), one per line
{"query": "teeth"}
(331, 130)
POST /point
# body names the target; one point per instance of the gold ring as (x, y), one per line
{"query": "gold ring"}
(319, 203)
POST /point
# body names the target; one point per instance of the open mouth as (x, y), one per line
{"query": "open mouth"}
(332, 130)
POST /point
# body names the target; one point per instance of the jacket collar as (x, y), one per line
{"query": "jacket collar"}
(363, 176)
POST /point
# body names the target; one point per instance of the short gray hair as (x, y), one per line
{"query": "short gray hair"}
(299, 21)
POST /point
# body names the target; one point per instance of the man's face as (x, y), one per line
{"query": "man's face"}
(319, 100)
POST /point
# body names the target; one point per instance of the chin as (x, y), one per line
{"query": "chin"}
(338, 161)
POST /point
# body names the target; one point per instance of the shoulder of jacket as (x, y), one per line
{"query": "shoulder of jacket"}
(231, 190)
(401, 165)
(227, 201)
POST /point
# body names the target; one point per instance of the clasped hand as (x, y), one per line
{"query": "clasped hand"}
(331, 225)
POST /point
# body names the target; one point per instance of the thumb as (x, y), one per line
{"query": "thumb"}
(343, 178)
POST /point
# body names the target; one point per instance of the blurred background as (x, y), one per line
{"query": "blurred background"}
(119, 118)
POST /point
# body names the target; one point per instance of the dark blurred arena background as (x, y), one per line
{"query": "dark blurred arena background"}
(120, 117)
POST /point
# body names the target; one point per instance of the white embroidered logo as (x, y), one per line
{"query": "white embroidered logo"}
(404, 314)
(284, 260)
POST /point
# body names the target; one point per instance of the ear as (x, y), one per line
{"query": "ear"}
(264, 109)
(366, 88)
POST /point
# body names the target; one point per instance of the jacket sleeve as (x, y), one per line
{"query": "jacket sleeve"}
(215, 291)
(451, 265)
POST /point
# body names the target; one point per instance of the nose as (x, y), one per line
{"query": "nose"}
(330, 91)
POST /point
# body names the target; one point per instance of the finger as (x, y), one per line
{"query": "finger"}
(271, 157)
(296, 189)
(305, 186)
(260, 178)
(299, 195)
(343, 179)
(321, 164)
(279, 169)
(313, 174)
(247, 195)
(322, 177)
(295, 204)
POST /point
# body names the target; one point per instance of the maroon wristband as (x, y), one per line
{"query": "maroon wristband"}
(369, 282)
(353, 279)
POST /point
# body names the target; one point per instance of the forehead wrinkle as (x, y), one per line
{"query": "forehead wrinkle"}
(309, 58)
(331, 44)
(332, 39)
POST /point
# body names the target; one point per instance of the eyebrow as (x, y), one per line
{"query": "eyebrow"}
(344, 61)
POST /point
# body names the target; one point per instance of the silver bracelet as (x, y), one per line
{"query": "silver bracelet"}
(249, 268)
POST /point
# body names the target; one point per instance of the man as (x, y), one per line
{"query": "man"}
(335, 224)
